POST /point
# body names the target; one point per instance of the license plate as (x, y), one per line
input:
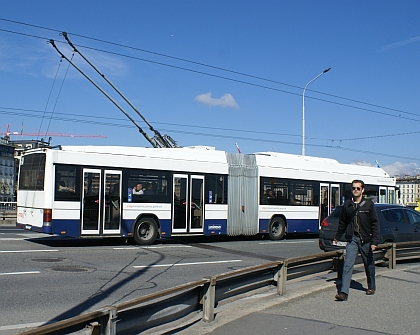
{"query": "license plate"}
(340, 244)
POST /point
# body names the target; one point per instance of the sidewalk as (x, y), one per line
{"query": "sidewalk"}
(309, 308)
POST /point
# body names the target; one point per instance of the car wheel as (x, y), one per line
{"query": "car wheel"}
(277, 229)
(145, 231)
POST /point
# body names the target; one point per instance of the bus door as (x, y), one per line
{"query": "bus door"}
(382, 195)
(188, 204)
(101, 202)
(324, 201)
(91, 201)
(334, 197)
(391, 195)
(330, 199)
(112, 202)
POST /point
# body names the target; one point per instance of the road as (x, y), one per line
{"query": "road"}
(45, 278)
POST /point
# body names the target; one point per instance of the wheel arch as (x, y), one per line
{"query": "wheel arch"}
(387, 239)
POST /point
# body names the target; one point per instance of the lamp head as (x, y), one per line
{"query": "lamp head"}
(326, 70)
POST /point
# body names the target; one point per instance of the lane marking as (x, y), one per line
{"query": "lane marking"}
(17, 251)
(289, 242)
(23, 325)
(155, 247)
(24, 237)
(12, 239)
(19, 273)
(185, 264)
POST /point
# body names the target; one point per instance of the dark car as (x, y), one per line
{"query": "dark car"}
(397, 224)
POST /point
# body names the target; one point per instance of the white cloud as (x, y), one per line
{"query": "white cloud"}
(226, 100)
(402, 169)
(397, 168)
(400, 44)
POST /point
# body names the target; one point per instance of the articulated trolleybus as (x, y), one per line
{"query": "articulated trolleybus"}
(146, 193)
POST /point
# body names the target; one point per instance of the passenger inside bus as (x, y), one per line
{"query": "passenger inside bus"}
(138, 189)
(149, 190)
(62, 185)
(270, 198)
(292, 199)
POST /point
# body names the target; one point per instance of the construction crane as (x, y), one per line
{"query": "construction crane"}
(9, 133)
(158, 140)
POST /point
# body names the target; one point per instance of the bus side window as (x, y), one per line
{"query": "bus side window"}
(67, 186)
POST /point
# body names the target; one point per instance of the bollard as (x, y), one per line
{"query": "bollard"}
(281, 278)
(391, 254)
(209, 299)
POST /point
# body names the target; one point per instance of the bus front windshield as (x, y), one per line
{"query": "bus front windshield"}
(32, 172)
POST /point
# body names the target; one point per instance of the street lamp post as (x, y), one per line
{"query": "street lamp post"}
(303, 109)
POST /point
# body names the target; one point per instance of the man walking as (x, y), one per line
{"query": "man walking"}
(358, 219)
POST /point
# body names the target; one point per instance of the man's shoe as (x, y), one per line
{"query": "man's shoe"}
(341, 297)
(370, 291)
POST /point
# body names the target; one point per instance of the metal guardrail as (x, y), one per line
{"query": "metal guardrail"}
(147, 312)
(7, 212)
(7, 207)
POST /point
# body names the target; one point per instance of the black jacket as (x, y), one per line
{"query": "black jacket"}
(367, 218)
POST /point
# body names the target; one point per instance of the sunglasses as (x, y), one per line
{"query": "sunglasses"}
(356, 188)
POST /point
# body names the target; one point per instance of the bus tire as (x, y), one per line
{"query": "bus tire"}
(145, 231)
(277, 229)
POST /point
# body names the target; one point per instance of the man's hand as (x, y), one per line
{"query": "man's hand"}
(373, 247)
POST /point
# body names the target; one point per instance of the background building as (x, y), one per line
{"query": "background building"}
(10, 152)
(409, 187)
(7, 172)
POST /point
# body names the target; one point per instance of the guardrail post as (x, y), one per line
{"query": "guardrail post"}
(391, 254)
(109, 322)
(209, 299)
(281, 276)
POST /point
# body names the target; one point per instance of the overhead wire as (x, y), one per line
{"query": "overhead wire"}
(128, 125)
(231, 79)
(49, 97)
(207, 65)
(199, 127)
(58, 95)
(237, 80)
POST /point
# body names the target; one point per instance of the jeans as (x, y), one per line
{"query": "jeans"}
(352, 249)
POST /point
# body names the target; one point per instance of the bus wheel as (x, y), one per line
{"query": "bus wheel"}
(277, 229)
(145, 231)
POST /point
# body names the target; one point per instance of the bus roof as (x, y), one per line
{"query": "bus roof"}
(323, 167)
(287, 165)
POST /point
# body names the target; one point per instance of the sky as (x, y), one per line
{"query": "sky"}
(219, 73)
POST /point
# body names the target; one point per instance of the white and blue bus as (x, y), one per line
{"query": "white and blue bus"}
(147, 193)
